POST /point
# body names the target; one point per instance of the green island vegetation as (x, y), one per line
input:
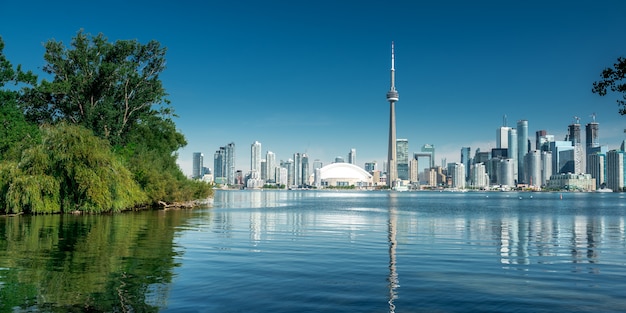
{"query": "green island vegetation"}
(97, 137)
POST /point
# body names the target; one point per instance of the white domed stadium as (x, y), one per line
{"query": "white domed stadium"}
(343, 175)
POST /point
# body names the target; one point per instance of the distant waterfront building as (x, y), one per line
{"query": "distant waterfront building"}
(570, 181)
(538, 135)
(297, 169)
(523, 147)
(288, 166)
(546, 167)
(502, 137)
(562, 157)
(264, 170)
(270, 163)
(219, 162)
(402, 158)
(317, 164)
(513, 153)
(544, 142)
(255, 160)
(305, 171)
(458, 175)
(198, 159)
(506, 173)
(533, 166)
(352, 156)
(413, 170)
(466, 161)
(430, 149)
(339, 159)
(596, 167)
(573, 135)
(371, 166)
(615, 170)
(282, 176)
(479, 176)
(230, 164)
(591, 135)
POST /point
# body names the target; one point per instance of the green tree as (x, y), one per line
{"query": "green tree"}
(613, 79)
(70, 170)
(15, 132)
(106, 87)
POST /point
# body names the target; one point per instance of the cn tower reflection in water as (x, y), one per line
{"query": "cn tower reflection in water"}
(394, 282)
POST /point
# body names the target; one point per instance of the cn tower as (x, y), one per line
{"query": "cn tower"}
(392, 97)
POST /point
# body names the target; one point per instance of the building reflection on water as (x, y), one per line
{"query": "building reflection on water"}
(516, 238)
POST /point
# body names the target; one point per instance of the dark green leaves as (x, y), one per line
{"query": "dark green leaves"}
(614, 79)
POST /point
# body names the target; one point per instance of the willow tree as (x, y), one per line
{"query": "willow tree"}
(106, 87)
(613, 79)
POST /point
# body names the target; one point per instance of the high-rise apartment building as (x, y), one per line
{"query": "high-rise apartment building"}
(297, 169)
(371, 166)
(305, 170)
(615, 170)
(255, 160)
(502, 137)
(546, 167)
(591, 135)
(198, 159)
(533, 166)
(596, 167)
(538, 135)
(458, 175)
(466, 161)
(402, 158)
(352, 156)
(229, 165)
(512, 151)
(522, 149)
(270, 163)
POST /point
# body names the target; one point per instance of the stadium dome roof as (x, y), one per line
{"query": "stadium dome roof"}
(344, 171)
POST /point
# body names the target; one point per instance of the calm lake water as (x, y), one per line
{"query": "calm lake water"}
(326, 251)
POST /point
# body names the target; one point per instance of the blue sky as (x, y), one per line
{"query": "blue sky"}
(311, 76)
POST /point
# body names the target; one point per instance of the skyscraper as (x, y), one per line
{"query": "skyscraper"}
(573, 135)
(230, 163)
(352, 156)
(512, 152)
(198, 159)
(522, 149)
(502, 137)
(305, 170)
(402, 158)
(615, 170)
(465, 160)
(255, 160)
(591, 135)
(392, 97)
(270, 162)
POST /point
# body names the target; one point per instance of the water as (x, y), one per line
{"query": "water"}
(326, 251)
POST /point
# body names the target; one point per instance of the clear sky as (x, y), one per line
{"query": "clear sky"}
(311, 76)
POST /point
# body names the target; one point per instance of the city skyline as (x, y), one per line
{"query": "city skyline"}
(311, 78)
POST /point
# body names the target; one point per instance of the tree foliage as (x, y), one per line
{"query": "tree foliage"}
(106, 87)
(613, 79)
(15, 132)
(70, 170)
(98, 137)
